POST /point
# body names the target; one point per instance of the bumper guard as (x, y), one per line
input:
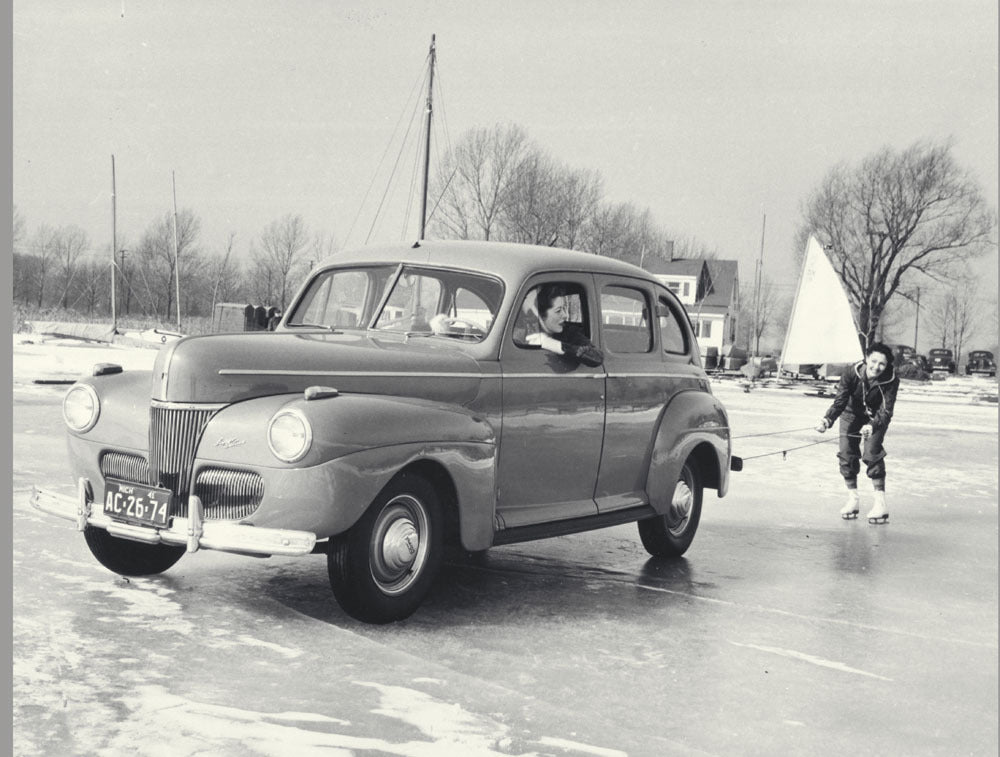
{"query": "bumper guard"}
(194, 532)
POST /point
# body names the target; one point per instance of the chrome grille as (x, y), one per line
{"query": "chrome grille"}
(228, 494)
(174, 431)
(125, 467)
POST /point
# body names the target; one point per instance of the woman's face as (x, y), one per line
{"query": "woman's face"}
(875, 365)
(553, 320)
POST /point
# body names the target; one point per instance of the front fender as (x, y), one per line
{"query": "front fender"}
(692, 424)
(330, 498)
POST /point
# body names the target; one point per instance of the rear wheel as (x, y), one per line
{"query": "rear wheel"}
(382, 568)
(130, 558)
(671, 534)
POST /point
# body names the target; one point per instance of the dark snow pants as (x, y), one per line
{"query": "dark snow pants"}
(850, 453)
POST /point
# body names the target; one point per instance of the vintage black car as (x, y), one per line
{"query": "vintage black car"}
(981, 362)
(942, 360)
(407, 400)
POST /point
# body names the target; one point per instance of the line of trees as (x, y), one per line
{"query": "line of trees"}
(894, 222)
(57, 267)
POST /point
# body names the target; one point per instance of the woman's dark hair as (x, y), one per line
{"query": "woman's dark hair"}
(884, 349)
(546, 294)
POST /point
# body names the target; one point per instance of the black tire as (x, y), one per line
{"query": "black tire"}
(130, 558)
(670, 535)
(382, 567)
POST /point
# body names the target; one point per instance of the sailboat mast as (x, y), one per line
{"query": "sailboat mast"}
(427, 143)
(114, 247)
(758, 281)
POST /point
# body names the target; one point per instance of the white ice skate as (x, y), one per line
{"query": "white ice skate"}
(850, 510)
(879, 513)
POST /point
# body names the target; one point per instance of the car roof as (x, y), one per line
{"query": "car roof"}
(506, 260)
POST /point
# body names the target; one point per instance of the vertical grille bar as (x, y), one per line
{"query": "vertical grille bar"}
(174, 432)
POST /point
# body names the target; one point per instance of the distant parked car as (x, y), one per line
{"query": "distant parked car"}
(367, 430)
(942, 360)
(981, 361)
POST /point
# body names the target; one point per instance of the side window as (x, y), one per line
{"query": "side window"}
(672, 333)
(561, 305)
(625, 320)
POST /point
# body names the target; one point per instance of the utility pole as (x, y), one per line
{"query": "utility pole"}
(916, 323)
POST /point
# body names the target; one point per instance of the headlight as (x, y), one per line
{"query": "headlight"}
(289, 435)
(81, 408)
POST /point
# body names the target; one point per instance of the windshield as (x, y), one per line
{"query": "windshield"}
(432, 302)
(404, 299)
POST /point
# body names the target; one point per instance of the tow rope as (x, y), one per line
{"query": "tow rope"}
(784, 452)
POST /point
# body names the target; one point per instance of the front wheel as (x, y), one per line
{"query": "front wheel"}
(382, 567)
(130, 558)
(670, 535)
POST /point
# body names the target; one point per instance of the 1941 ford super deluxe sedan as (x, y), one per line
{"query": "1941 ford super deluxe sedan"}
(411, 397)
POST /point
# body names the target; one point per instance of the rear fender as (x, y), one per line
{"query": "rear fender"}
(693, 425)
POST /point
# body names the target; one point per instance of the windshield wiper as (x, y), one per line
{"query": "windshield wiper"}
(331, 329)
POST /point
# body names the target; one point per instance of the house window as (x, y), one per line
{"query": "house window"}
(674, 286)
(704, 329)
(687, 288)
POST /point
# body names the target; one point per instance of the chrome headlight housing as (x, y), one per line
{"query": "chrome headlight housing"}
(289, 435)
(81, 408)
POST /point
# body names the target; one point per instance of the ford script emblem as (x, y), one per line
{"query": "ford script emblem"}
(230, 443)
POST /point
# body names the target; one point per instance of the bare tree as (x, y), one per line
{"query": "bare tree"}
(477, 179)
(69, 243)
(898, 213)
(44, 250)
(282, 245)
(955, 313)
(156, 259)
(17, 230)
(759, 313)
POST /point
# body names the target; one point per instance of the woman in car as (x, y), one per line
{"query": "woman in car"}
(555, 333)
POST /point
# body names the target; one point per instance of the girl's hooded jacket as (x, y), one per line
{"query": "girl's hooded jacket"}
(861, 397)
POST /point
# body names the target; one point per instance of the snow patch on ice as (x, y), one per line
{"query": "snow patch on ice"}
(284, 651)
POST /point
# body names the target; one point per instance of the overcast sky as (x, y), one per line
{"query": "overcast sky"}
(708, 113)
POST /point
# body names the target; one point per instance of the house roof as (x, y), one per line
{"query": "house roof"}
(724, 280)
(678, 267)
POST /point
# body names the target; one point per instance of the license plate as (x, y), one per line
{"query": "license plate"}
(137, 503)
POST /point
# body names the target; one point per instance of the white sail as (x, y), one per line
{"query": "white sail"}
(821, 328)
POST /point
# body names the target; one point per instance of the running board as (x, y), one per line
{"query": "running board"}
(572, 525)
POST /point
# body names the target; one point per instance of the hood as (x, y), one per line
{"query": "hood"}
(233, 367)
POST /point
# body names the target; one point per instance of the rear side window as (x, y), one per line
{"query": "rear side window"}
(625, 320)
(673, 336)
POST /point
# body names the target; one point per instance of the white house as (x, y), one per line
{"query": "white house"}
(710, 291)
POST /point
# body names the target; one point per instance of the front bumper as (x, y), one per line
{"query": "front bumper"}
(193, 532)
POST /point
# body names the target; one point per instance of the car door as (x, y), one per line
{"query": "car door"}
(553, 418)
(647, 358)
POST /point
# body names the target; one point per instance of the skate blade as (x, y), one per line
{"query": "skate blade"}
(879, 519)
(849, 516)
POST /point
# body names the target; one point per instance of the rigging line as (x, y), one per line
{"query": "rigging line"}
(395, 165)
(417, 86)
(414, 174)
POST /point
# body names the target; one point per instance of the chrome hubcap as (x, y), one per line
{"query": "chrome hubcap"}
(398, 548)
(680, 508)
